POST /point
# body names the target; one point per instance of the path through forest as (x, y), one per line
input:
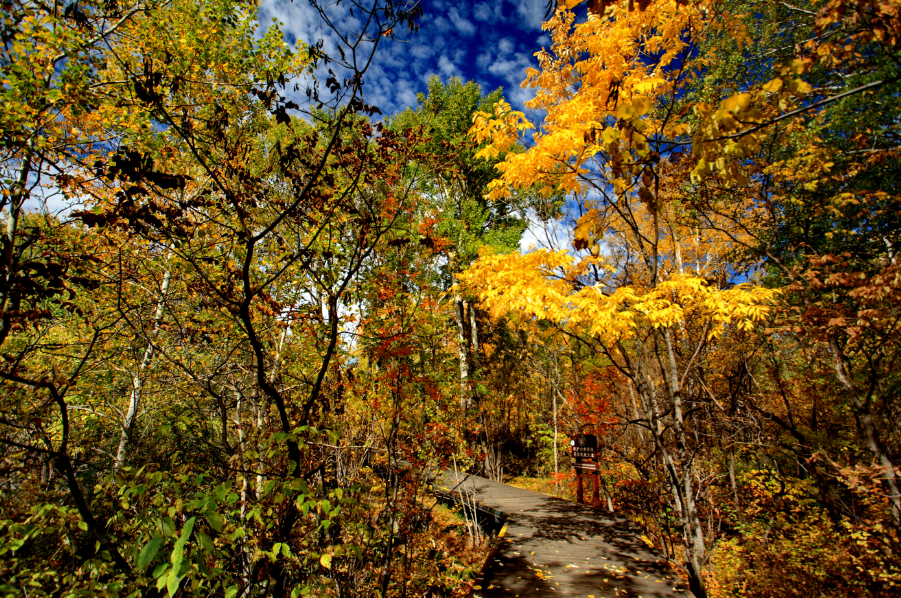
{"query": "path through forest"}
(554, 547)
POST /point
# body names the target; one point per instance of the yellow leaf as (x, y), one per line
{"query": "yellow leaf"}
(799, 88)
(641, 106)
(625, 111)
(648, 85)
(610, 135)
(736, 103)
(773, 86)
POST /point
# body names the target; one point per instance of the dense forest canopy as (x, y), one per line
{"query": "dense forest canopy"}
(265, 299)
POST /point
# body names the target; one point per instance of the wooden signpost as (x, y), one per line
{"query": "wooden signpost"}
(585, 451)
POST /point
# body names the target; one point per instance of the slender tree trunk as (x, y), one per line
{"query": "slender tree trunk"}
(474, 338)
(556, 457)
(459, 312)
(678, 464)
(17, 197)
(607, 496)
(694, 530)
(242, 447)
(242, 468)
(867, 427)
(733, 483)
(137, 383)
(635, 412)
(263, 406)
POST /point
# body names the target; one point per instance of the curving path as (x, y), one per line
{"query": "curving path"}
(553, 547)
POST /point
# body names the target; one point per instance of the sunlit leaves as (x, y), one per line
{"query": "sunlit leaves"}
(536, 285)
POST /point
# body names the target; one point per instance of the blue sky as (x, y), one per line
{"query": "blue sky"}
(491, 42)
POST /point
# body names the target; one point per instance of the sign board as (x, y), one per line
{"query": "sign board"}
(585, 450)
(585, 447)
(586, 467)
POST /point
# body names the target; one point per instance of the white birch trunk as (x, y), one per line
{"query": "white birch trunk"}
(137, 383)
(459, 312)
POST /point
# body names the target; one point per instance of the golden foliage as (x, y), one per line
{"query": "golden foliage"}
(539, 284)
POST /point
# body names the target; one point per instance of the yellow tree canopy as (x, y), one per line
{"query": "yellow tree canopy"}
(540, 285)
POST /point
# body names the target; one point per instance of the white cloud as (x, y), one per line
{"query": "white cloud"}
(445, 45)
(448, 68)
(513, 69)
(518, 96)
(483, 60)
(532, 12)
(487, 13)
(544, 41)
(553, 234)
(421, 51)
(462, 24)
(440, 25)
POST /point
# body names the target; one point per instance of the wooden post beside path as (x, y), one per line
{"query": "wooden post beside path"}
(585, 451)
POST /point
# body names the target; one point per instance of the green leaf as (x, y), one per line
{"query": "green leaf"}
(275, 550)
(215, 520)
(205, 542)
(326, 561)
(173, 582)
(231, 592)
(178, 552)
(148, 553)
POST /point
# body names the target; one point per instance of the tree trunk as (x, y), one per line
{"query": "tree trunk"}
(17, 197)
(733, 483)
(242, 447)
(474, 339)
(867, 427)
(459, 313)
(556, 457)
(678, 463)
(263, 406)
(137, 383)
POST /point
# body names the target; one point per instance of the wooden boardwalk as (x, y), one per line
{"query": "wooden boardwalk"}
(553, 547)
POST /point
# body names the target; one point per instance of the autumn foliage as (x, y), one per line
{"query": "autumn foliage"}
(232, 366)
(728, 210)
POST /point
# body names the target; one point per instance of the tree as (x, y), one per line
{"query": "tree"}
(625, 91)
(456, 182)
(210, 212)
